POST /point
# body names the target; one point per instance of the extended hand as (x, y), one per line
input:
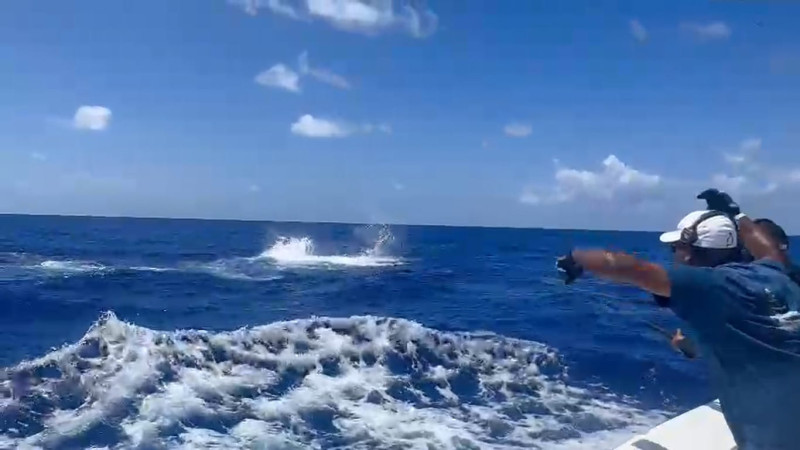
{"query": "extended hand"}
(568, 268)
(717, 200)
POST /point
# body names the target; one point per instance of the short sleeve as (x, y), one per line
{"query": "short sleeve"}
(696, 296)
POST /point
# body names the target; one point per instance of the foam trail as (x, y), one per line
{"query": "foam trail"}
(70, 266)
(152, 269)
(300, 252)
(357, 382)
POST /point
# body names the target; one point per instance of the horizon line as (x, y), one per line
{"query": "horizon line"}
(324, 222)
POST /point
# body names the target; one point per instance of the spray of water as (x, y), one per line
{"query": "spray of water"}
(291, 251)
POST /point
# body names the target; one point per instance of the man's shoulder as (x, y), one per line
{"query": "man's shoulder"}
(758, 275)
(760, 267)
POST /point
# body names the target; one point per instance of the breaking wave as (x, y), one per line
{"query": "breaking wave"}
(357, 382)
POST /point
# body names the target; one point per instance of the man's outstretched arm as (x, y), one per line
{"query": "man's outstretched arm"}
(624, 268)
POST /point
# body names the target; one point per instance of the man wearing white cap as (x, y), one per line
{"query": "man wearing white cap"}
(744, 314)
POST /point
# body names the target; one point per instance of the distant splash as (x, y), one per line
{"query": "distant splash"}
(300, 252)
(356, 382)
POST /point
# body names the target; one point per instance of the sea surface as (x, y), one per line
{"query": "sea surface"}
(150, 333)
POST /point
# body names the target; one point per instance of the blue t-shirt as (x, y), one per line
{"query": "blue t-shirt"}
(745, 318)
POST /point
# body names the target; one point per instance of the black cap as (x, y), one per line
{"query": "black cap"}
(775, 232)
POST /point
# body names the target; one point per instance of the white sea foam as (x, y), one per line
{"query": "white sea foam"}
(358, 382)
(70, 266)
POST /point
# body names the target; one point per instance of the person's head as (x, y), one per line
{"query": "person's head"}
(775, 232)
(704, 238)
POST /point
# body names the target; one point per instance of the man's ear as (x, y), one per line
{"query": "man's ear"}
(689, 258)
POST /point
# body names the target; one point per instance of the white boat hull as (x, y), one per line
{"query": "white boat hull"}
(703, 428)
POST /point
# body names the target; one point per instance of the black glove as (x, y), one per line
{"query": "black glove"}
(568, 268)
(719, 201)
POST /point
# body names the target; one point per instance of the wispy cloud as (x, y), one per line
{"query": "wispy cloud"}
(748, 149)
(747, 174)
(518, 130)
(322, 75)
(614, 180)
(638, 30)
(91, 118)
(360, 16)
(279, 76)
(317, 127)
(381, 127)
(708, 31)
(38, 156)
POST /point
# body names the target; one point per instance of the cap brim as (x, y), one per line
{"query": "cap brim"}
(670, 237)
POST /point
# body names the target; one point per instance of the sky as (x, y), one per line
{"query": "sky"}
(573, 114)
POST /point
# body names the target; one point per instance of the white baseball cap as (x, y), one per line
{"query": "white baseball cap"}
(714, 232)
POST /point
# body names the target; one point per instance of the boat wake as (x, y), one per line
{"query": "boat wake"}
(356, 382)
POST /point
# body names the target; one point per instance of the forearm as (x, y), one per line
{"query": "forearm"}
(625, 268)
(757, 242)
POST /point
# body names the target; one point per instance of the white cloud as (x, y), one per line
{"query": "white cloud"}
(92, 118)
(310, 126)
(516, 129)
(709, 31)
(398, 186)
(362, 16)
(38, 156)
(322, 75)
(254, 188)
(728, 183)
(281, 77)
(638, 30)
(315, 127)
(615, 180)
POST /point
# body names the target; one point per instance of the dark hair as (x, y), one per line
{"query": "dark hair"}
(712, 257)
(775, 232)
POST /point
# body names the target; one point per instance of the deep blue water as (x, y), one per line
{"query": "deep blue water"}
(488, 302)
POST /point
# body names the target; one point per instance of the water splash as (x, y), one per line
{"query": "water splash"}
(288, 251)
(357, 382)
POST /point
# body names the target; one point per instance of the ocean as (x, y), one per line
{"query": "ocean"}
(156, 333)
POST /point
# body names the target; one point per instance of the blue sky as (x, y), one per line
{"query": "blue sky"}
(584, 114)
